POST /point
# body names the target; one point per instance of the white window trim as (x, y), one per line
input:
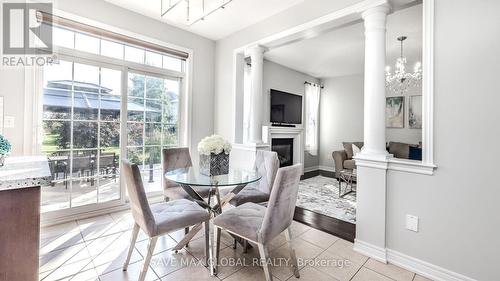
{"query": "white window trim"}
(33, 113)
(427, 165)
(33, 74)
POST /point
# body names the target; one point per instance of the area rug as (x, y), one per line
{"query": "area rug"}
(321, 194)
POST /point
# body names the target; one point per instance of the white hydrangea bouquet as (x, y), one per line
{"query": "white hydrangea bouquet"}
(214, 155)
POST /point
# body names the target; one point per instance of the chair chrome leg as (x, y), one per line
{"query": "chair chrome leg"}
(208, 255)
(245, 246)
(135, 232)
(217, 233)
(264, 256)
(186, 231)
(293, 257)
(147, 260)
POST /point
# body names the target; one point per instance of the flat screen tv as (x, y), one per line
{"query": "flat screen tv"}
(286, 108)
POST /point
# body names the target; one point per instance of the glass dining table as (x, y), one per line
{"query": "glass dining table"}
(231, 183)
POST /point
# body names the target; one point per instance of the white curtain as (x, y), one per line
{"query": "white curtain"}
(312, 95)
(247, 92)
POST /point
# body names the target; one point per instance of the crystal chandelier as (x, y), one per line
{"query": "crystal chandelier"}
(202, 12)
(401, 81)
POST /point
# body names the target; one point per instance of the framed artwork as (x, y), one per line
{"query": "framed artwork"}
(415, 112)
(394, 112)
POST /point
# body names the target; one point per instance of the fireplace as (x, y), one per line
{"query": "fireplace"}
(284, 148)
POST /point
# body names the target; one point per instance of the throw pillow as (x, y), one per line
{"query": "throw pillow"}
(348, 149)
(355, 149)
(415, 153)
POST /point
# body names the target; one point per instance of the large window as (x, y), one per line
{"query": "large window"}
(92, 118)
(152, 123)
(81, 125)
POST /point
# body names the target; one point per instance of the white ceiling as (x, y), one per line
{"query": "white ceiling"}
(341, 52)
(237, 15)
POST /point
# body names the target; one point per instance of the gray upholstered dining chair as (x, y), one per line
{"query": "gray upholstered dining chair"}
(173, 159)
(261, 225)
(267, 164)
(159, 219)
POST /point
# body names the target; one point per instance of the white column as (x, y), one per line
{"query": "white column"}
(374, 116)
(372, 162)
(256, 54)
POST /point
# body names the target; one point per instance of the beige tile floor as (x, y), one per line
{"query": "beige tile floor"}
(95, 249)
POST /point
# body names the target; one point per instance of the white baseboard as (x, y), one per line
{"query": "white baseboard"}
(370, 250)
(45, 222)
(424, 268)
(412, 264)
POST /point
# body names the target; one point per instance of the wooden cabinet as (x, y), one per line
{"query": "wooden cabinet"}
(19, 234)
(21, 179)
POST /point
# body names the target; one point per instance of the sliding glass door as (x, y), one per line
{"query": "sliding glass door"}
(81, 134)
(103, 101)
(152, 123)
(82, 127)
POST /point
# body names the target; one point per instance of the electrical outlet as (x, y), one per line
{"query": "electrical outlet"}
(412, 223)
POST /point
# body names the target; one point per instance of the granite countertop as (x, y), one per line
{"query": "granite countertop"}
(24, 171)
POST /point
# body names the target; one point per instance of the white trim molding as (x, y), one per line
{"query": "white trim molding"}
(411, 166)
(423, 268)
(377, 162)
(428, 83)
(370, 250)
(297, 134)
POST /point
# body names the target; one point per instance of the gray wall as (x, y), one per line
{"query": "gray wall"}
(12, 81)
(341, 115)
(458, 206)
(225, 99)
(407, 135)
(282, 78)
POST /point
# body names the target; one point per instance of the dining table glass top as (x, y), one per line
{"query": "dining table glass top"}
(192, 176)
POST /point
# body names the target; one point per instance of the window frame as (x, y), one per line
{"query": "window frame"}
(33, 106)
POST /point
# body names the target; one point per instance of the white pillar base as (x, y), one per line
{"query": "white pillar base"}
(371, 204)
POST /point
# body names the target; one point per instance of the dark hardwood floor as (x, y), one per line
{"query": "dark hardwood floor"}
(339, 228)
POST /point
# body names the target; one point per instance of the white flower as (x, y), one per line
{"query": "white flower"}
(214, 144)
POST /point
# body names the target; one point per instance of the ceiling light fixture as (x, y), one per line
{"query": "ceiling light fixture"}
(401, 81)
(165, 9)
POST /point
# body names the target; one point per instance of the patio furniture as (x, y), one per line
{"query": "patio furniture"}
(260, 225)
(59, 164)
(161, 218)
(108, 164)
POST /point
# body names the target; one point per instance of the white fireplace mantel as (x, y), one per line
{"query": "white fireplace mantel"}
(296, 133)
